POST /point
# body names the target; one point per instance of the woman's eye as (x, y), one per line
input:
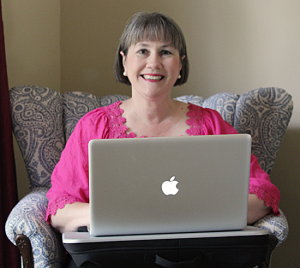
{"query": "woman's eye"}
(166, 52)
(142, 51)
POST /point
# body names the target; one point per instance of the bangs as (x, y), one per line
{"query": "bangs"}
(155, 33)
(153, 28)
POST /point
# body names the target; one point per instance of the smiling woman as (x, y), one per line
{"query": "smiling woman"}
(152, 59)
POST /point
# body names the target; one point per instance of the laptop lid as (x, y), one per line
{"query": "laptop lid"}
(169, 184)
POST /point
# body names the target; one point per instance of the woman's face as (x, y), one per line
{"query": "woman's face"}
(152, 67)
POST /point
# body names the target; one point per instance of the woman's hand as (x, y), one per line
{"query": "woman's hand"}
(256, 209)
(72, 216)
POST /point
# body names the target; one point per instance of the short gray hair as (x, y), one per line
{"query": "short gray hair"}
(151, 27)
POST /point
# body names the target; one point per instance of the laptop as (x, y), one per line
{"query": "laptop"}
(168, 201)
(169, 185)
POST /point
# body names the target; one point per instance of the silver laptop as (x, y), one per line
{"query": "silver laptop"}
(169, 185)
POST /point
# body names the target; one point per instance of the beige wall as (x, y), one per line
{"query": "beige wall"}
(32, 43)
(233, 45)
(32, 39)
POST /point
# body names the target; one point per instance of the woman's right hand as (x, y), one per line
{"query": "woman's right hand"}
(70, 217)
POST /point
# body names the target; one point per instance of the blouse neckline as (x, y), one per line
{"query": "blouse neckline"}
(118, 128)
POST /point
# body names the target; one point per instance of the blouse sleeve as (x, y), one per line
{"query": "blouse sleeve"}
(260, 183)
(69, 179)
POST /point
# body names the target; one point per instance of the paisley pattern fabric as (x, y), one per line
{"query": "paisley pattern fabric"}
(224, 103)
(28, 218)
(43, 120)
(77, 104)
(38, 127)
(264, 114)
(277, 226)
(197, 100)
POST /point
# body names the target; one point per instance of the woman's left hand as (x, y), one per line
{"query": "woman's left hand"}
(256, 209)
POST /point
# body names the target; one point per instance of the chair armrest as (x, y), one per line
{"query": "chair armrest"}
(28, 218)
(276, 225)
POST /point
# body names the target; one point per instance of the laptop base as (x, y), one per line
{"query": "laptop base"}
(247, 248)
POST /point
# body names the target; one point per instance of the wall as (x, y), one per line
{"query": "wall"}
(32, 39)
(233, 45)
(32, 43)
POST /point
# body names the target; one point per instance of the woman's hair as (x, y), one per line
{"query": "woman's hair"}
(151, 27)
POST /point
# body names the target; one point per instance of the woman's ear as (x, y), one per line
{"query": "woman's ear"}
(123, 59)
(182, 58)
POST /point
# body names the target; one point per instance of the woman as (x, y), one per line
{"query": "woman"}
(152, 58)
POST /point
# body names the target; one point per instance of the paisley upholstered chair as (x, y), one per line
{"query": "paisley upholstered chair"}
(43, 120)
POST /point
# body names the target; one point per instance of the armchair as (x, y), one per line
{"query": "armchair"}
(43, 120)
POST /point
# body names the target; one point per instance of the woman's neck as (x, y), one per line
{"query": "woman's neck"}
(152, 112)
(152, 117)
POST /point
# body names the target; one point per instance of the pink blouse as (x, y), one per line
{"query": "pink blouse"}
(70, 181)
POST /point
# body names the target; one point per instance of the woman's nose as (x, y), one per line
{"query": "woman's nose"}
(154, 61)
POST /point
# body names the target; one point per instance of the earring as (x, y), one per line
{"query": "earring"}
(179, 76)
(124, 74)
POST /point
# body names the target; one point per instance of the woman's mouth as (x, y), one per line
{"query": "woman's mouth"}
(152, 77)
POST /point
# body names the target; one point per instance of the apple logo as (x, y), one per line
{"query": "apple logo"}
(170, 187)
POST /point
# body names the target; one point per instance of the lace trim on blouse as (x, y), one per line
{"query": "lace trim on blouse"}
(116, 124)
(118, 129)
(60, 203)
(270, 200)
(195, 120)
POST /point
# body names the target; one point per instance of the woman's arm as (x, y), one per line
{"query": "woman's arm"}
(72, 216)
(256, 209)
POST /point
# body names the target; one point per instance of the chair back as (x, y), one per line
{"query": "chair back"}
(44, 119)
